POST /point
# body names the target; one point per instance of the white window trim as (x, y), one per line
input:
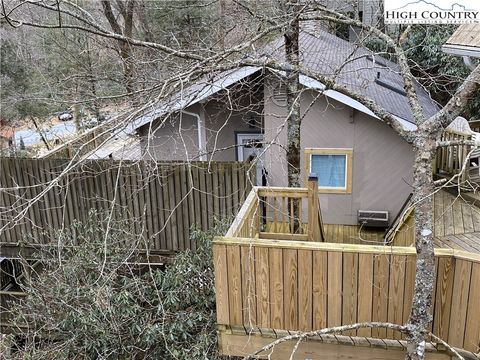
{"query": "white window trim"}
(241, 136)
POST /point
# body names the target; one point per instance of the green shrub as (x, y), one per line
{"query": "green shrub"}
(91, 303)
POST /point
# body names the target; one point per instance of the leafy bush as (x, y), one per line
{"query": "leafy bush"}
(91, 303)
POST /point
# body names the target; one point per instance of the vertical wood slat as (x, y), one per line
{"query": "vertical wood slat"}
(334, 289)
(262, 289)
(350, 290)
(276, 288)
(221, 283)
(443, 297)
(234, 276)
(380, 293)
(410, 270)
(320, 289)
(461, 288)
(210, 194)
(290, 285)
(203, 197)
(472, 326)
(177, 208)
(365, 289)
(248, 286)
(395, 294)
(305, 290)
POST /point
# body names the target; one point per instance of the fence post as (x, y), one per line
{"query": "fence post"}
(313, 218)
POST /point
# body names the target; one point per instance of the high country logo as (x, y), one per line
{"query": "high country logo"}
(428, 12)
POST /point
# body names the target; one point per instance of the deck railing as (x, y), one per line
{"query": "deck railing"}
(264, 284)
(451, 160)
(270, 276)
(280, 213)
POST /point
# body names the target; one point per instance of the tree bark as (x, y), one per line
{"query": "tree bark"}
(124, 48)
(423, 184)
(293, 104)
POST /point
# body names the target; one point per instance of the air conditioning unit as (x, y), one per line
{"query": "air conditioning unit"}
(372, 218)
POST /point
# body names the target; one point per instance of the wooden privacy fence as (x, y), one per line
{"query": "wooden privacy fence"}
(302, 286)
(158, 202)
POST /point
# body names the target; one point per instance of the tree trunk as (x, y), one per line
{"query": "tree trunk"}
(293, 104)
(423, 185)
(125, 49)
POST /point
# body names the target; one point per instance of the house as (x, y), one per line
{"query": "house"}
(273, 281)
(362, 163)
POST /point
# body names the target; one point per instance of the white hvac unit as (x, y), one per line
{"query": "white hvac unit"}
(372, 218)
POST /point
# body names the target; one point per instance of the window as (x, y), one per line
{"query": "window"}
(333, 168)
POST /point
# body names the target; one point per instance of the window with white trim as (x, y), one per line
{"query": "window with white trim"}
(333, 168)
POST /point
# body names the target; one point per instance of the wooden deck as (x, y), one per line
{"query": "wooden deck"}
(455, 215)
(352, 234)
(457, 224)
(465, 242)
(292, 281)
(264, 285)
(237, 341)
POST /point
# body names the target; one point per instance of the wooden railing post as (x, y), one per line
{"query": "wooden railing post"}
(313, 208)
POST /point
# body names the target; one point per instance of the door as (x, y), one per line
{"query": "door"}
(248, 145)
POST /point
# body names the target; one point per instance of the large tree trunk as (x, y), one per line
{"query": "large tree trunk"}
(293, 99)
(423, 185)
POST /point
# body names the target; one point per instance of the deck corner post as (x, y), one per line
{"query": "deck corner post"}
(313, 208)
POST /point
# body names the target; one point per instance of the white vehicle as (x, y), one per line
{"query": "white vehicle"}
(65, 116)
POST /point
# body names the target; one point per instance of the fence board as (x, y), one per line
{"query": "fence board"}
(319, 290)
(248, 286)
(305, 292)
(262, 290)
(472, 329)
(290, 280)
(461, 288)
(365, 286)
(234, 285)
(276, 288)
(334, 286)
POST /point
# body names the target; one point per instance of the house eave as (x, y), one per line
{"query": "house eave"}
(461, 50)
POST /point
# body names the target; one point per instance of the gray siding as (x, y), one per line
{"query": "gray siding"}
(173, 138)
(382, 161)
(178, 140)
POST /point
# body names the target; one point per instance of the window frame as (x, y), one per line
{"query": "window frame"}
(348, 153)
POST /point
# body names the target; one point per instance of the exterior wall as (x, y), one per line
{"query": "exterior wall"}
(382, 161)
(224, 117)
(174, 138)
(222, 126)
